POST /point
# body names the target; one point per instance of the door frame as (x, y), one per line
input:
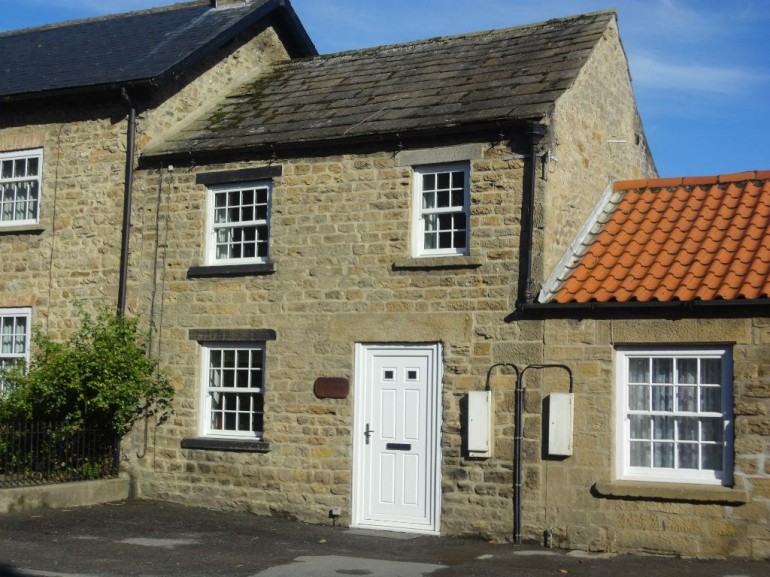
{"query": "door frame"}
(433, 446)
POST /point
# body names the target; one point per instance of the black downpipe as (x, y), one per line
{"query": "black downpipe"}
(129, 185)
(535, 131)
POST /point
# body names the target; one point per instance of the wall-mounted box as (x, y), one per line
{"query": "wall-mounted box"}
(480, 413)
(561, 411)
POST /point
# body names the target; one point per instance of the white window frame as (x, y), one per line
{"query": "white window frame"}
(624, 468)
(10, 181)
(212, 226)
(418, 214)
(207, 391)
(12, 315)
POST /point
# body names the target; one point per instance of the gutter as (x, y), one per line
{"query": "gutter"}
(129, 185)
(647, 309)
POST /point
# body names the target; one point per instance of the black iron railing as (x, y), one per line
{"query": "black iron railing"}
(43, 453)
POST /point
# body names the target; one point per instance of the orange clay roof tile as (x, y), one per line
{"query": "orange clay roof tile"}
(691, 238)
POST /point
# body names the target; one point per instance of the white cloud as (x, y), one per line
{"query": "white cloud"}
(651, 72)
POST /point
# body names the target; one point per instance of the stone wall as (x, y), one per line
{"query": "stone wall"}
(576, 499)
(73, 255)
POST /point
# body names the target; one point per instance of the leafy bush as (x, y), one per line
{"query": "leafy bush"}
(100, 378)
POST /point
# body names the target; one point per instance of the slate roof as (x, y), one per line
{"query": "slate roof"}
(137, 47)
(437, 84)
(673, 239)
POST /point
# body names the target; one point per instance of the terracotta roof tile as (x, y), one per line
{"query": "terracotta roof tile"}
(691, 238)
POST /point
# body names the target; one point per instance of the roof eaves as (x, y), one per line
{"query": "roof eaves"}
(672, 309)
(397, 138)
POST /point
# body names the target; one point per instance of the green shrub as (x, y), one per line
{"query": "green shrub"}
(99, 378)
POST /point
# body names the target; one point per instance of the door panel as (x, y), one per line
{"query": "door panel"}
(397, 463)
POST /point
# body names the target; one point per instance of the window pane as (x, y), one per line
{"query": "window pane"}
(663, 427)
(639, 397)
(242, 379)
(688, 456)
(7, 344)
(640, 426)
(443, 180)
(662, 398)
(712, 456)
(687, 371)
(687, 429)
(712, 430)
(7, 170)
(640, 454)
(711, 372)
(711, 399)
(444, 198)
(32, 167)
(261, 195)
(428, 181)
(228, 378)
(687, 399)
(429, 200)
(662, 370)
(663, 455)
(458, 197)
(639, 370)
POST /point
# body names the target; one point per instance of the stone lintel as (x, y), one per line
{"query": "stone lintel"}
(443, 154)
(401, 328)
(239, 175)
(684, 331)
(232, 335)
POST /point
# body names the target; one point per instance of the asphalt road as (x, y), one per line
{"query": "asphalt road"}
(143, 538)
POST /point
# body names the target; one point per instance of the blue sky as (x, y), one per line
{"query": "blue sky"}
(701, 68)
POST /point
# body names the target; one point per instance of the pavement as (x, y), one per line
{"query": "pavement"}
(145, 538)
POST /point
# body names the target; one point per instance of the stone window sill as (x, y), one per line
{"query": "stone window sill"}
(670, 492)
(438, 262)
(229, 270)
(28, 229)
(231, 445)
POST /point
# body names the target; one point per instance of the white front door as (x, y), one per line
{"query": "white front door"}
(396, 435)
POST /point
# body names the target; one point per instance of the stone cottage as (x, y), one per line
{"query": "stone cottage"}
(660, 307)
(327, 259)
